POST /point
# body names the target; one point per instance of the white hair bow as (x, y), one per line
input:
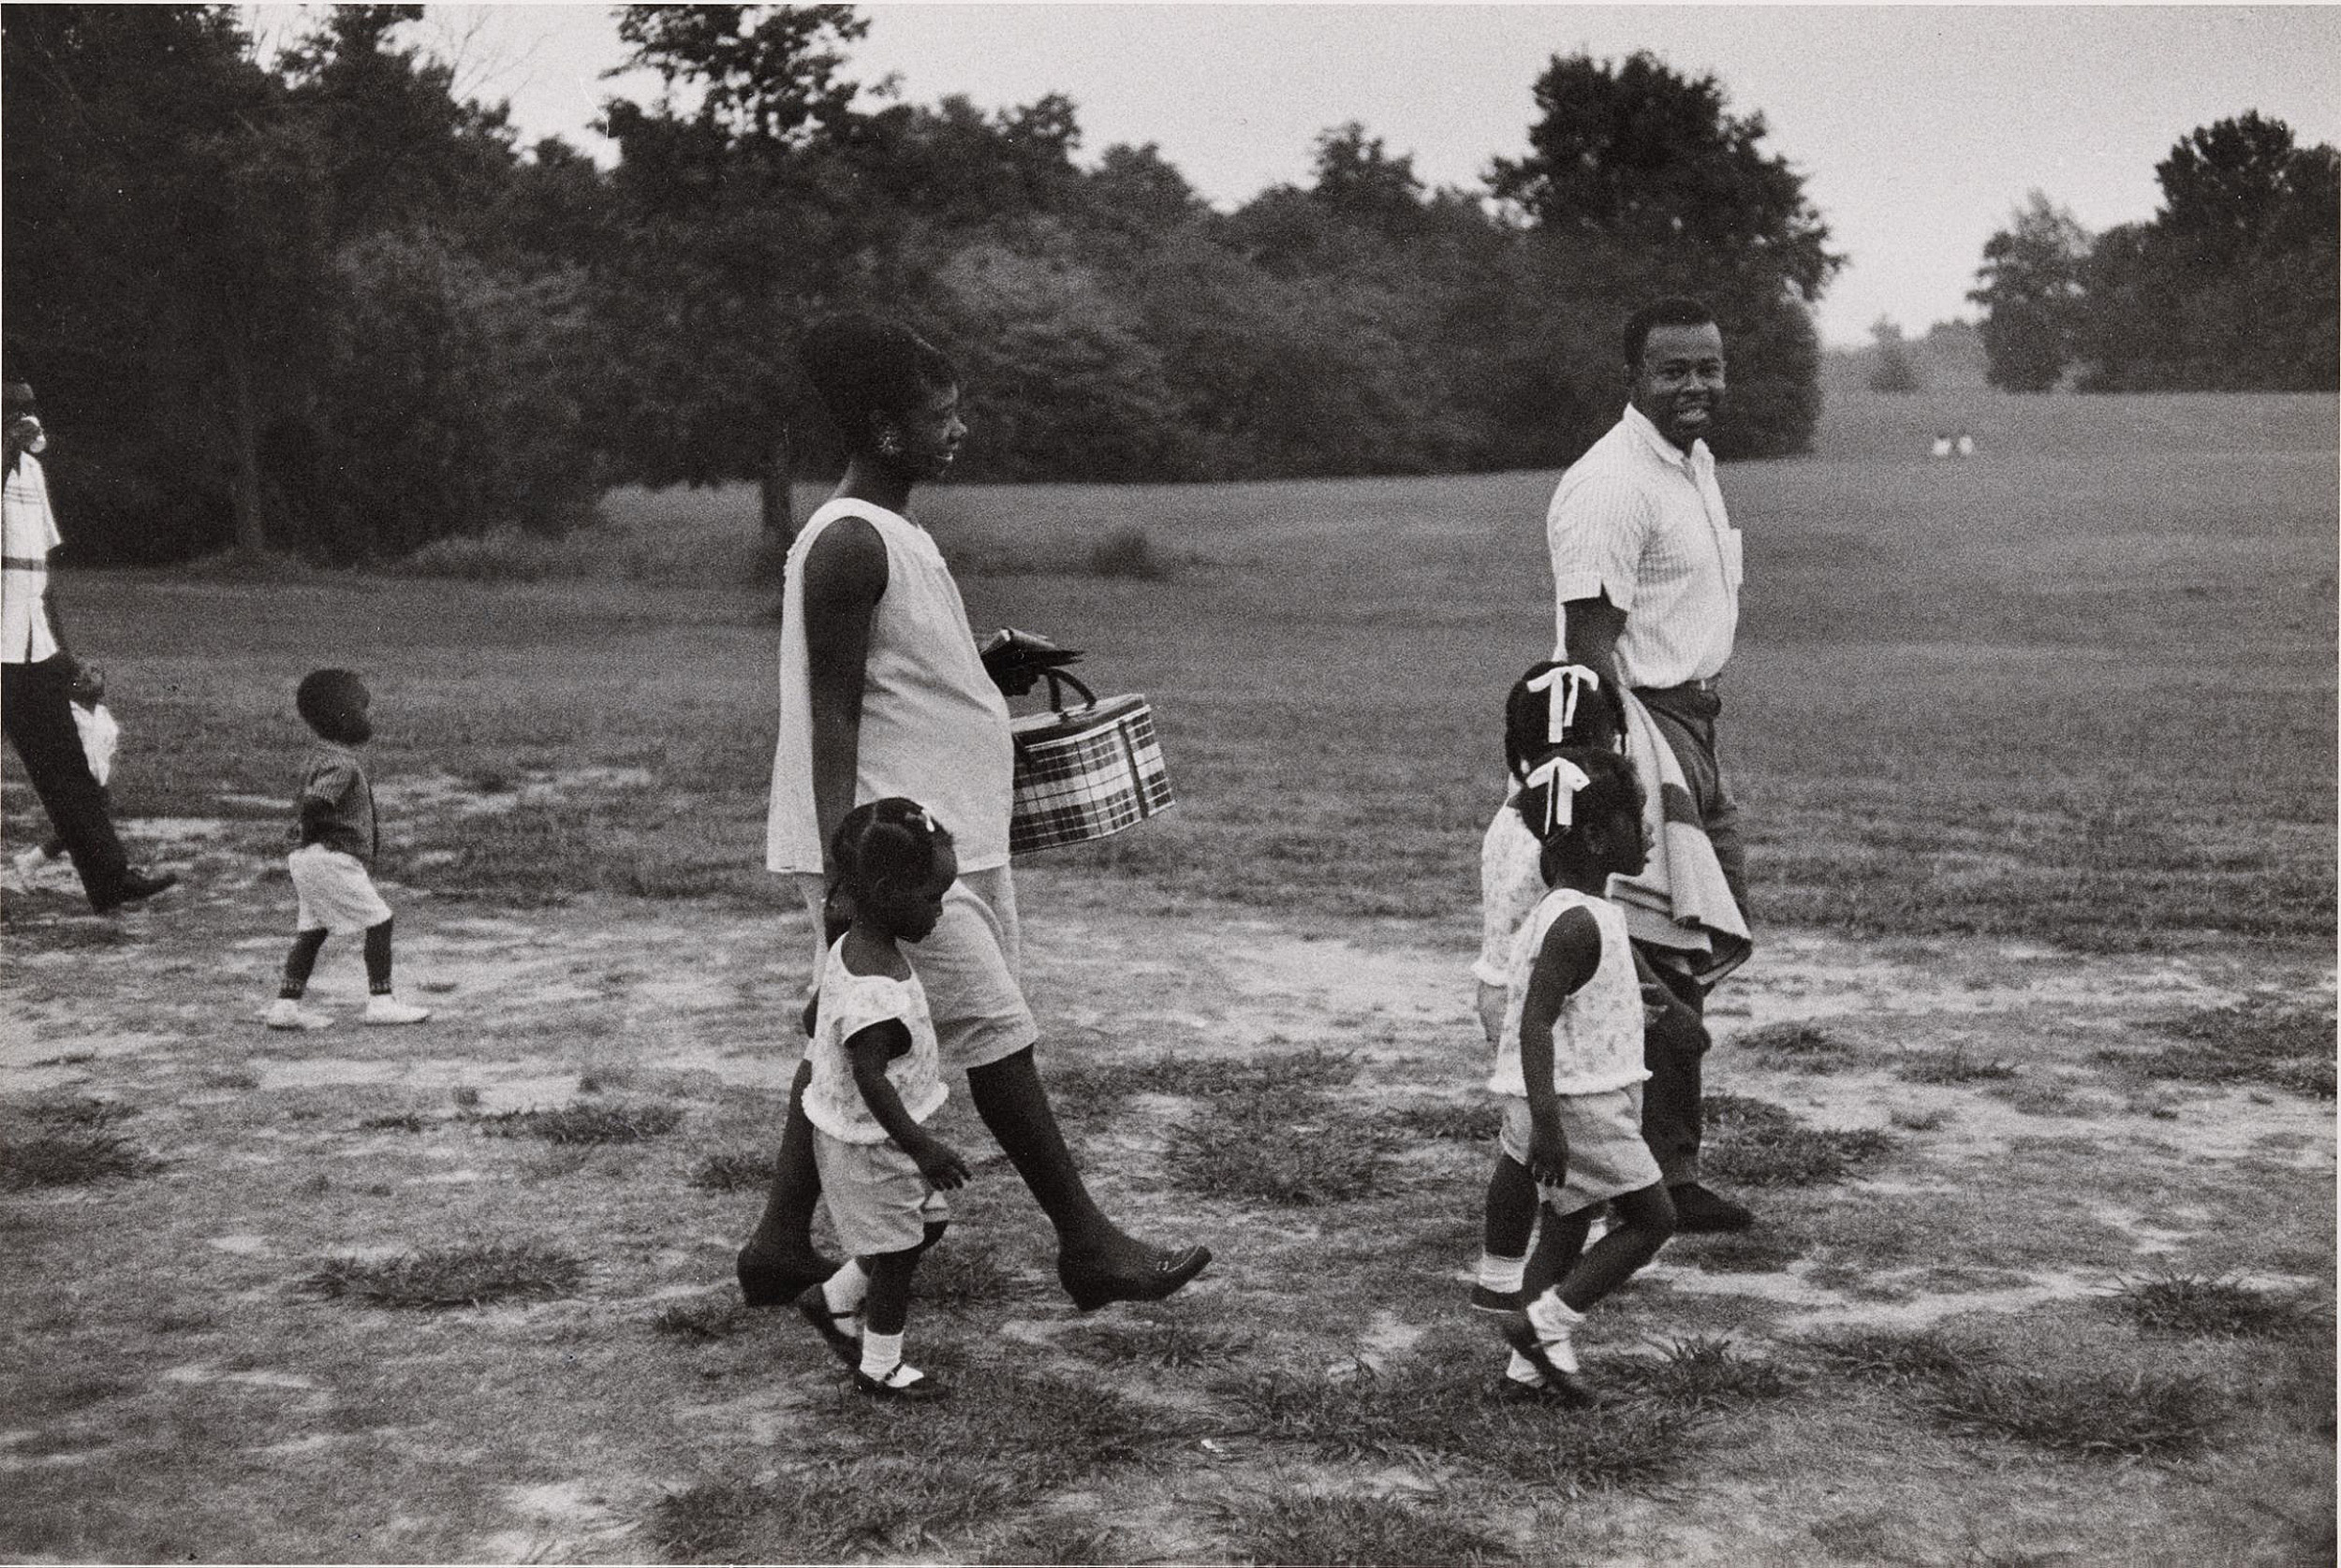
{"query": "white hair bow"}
(1563, 685)
(1561, 780)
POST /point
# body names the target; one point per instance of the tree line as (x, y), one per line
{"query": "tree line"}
(2228, 287)
(322, 303)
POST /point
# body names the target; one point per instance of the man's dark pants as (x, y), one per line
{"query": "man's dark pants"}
(38, 716)
(1674, 1049)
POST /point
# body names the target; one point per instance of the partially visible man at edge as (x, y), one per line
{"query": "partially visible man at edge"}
(37, 673)
(1646, 581)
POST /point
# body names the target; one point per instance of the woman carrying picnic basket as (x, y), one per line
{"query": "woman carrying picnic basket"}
(883, 693)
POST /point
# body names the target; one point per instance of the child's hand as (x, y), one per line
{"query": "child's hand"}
(1490, 1003)
(1548, 1150)
(940, 1163)
(1656, 1000)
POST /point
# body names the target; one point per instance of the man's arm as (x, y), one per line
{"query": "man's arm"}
(1594, 626)
(844, 575)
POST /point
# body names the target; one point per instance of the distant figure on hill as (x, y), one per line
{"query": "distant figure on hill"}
(1942, 447)
(36, 677)
(1646, 581)
(883, 693)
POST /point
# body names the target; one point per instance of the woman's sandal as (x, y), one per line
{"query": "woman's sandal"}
(814, 1308)
(902, 1382)
(1092, 1287)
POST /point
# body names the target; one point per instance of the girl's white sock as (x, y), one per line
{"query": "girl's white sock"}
(880, 1353)
(1502, 1274)
(1554, 1322)
(845, 1289)
(1521, 1370)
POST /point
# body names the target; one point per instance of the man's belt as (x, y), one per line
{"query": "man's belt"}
(1706, 685)
(24, 564)
(1695, 701)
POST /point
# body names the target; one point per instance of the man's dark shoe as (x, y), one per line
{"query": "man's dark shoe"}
(135, 883)
(1696, 1208)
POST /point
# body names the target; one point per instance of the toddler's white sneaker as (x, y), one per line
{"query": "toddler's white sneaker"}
(284, 1013)
(390, 1009)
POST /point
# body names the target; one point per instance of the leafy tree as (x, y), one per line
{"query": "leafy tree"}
(2230, 285)
(1659, 188)
(731, 219)
(165, 241)
(1895, 369)
(2031, 292)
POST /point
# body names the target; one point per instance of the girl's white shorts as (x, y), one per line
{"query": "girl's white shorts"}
(334, 891)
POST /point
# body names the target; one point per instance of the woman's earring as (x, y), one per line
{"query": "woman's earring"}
(891, 444)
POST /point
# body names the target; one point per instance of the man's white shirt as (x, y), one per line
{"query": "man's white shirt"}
(1642, 524)
(30, 533)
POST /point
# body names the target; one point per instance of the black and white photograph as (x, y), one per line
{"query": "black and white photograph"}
(1161, 782)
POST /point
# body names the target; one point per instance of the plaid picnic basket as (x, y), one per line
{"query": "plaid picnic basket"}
(1085, 772)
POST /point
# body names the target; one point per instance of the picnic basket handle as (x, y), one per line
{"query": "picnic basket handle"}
(1058, 680)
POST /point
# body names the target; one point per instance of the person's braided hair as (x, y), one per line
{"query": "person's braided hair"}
(879, 846)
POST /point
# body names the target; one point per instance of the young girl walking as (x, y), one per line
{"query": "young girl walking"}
(1568, 1070)
(875, 1080)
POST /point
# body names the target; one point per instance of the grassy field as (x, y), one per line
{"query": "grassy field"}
(2031, 1078)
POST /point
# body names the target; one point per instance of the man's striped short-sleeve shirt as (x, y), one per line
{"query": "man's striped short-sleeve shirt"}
(1642, 524)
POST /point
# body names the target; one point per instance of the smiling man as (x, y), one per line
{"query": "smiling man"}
(1646, 578)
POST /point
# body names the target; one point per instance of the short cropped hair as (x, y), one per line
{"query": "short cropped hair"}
(323, 692)
(1672, 310)
(861, 366)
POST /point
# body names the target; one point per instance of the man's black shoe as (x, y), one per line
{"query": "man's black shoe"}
(132, 885)
(1696, 1208)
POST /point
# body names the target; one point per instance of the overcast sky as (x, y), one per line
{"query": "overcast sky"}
(1919, 128)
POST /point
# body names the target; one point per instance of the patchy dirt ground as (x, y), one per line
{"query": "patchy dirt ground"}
(175, 1392)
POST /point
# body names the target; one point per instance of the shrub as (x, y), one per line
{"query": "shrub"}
(734, 1170)
(1127, 552)
(469, 1275)
(585, 1123)
(2191, 1304)
(2095, 1412)
(1701, 1373)
(69, 1159)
